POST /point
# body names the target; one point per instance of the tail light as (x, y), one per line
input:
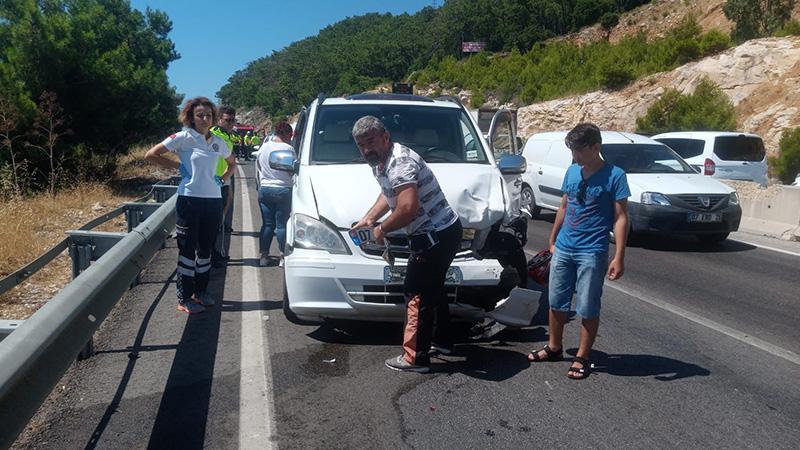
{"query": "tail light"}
(709, 167)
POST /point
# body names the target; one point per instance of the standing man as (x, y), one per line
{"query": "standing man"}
(595, 202)
(224, 129)
(410, 190)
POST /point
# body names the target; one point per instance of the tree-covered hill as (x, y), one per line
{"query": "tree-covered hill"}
(358, 53)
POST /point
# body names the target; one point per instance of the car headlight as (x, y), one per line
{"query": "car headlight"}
(314, 234)
(654, 198)
(734, 198)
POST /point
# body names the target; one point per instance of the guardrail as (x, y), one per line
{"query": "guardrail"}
(34, 357)
(135, 212)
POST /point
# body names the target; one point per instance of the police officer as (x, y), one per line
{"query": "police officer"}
(411, 192)
(224, 129)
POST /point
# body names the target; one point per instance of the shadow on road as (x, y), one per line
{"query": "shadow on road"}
(489, 363)
(688, 244)
(133, 355)
(659, 367)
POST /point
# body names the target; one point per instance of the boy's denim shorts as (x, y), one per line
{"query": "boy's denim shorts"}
(583, 273)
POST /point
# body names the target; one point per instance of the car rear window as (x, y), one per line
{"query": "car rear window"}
(739, 148)
(687, 148)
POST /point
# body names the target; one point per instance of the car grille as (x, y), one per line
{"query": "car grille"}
(696, 201)
(399, 247)
(391, 294)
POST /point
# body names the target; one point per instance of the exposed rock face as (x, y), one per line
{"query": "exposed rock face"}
(762, 78)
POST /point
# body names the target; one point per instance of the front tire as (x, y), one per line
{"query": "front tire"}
(529, 202)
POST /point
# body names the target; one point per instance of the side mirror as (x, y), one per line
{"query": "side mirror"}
(282, 160)
(512, 164)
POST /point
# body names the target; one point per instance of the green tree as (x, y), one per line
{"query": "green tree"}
(105, 62)
(787, 164)
(757, 18)
(707, 109)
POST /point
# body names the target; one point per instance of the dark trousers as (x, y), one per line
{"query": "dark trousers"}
(196, 226)
(426, 301)
(220, 249)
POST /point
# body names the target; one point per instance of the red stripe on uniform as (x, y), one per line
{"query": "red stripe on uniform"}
(410, 333)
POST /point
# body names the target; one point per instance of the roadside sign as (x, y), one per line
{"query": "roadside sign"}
(403, 88)
(472, 47)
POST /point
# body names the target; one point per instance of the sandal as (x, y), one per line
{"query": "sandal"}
(580, 372)
(552, 355)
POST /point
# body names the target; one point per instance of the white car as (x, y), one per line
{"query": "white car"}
(721, 154)
(327, 275)
(667, 195)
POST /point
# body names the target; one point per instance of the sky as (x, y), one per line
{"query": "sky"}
(217, 38)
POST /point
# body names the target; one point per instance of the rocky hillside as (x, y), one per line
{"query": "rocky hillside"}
(762, 78)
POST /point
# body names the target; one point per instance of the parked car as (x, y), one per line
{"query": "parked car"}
(328, 275)
(721, 154)
(667, 195)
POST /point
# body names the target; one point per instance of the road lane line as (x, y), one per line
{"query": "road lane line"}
(766, 247)
(698, 319)
(708, 323)
(256, 422)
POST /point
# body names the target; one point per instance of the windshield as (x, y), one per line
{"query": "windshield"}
(437, 134)
(644, 158)
(687, 148)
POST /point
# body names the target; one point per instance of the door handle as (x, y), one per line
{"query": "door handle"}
(540, 172)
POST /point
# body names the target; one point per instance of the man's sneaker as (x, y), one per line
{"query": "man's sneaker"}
(442, 349)
(263, 261)
(190, 308)
(204, 299)
(400, 364)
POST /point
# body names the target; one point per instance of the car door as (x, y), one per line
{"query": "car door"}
(503, 141)
(551, 174)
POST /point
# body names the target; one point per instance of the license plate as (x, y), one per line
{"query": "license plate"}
(705, 217)
(397, 274)
(361, 235)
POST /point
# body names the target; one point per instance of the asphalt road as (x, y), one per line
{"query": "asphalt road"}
(698, 348)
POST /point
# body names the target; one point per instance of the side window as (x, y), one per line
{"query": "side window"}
(299, 131)
(687, 148)
(503, 142)
(472, 147)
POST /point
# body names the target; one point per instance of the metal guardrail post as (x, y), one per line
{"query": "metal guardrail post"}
(85, 247)
(35, 356)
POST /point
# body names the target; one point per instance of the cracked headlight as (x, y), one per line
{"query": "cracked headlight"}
(654, 198)
(313, 234)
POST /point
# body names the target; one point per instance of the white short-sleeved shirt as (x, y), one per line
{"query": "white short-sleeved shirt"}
(200, 156)
(404, 166)
(267, 176)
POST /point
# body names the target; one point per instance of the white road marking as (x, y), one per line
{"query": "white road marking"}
(256, 422)
(698, 319)
(766, 247)
(708, 323)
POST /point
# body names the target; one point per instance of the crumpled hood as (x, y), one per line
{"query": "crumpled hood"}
(344, 193)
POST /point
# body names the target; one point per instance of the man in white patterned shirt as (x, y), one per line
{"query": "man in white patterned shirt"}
(411, 192)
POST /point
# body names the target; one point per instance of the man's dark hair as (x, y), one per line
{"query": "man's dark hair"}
(583, 135)
(227, 110)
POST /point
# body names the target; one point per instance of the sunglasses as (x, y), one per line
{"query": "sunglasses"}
(581, 196)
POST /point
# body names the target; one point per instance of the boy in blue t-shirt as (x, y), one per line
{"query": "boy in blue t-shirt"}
(595, 202)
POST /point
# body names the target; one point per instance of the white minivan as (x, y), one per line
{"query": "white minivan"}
(330, 274)
(667, 195)
(721, 154)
